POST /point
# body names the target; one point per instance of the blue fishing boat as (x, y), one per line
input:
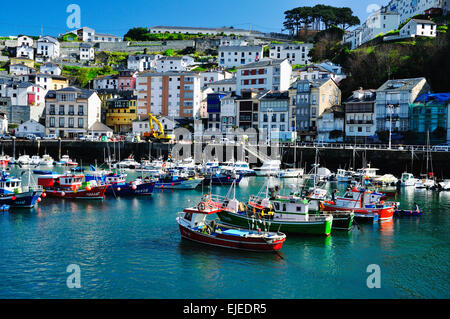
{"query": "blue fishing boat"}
(13, 194)
(4, 208)
(174, 179)
(118, 186)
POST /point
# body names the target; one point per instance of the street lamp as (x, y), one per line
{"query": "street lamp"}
(391, 110)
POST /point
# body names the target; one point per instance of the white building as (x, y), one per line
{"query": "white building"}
(30, 127)
(324, 70)
(379, 22)
(393, 100)
(211, 76)
(176, 94)
(360, 121)
(267, 74)
(223, 86)
(330, 122)
(174, 64)
(20, 69)
(274, 116)
(228, 113)
(102, 37)
(409, 8)
(417, 27)
(233, 41)
(71, 112)
(234, 56)
(86, 34)
(47, 48)
(50, 68)
(25, 41)
(296, 53)
(106, 82)
(87, 52)
(142, 62)
(25, 51)
(51, 81)
(23, 93)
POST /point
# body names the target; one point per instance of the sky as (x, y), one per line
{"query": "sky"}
(118, 16)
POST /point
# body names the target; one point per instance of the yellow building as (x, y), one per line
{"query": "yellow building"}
(120, 114)
(29, 63)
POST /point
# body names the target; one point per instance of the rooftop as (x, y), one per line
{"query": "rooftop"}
(263, 63)
(400, 84)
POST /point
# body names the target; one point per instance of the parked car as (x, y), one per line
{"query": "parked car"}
(32, 137)
(441, 148)
(50, 137)
(90, 138)
(6, 136)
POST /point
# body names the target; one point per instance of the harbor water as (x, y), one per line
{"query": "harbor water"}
(131, 248)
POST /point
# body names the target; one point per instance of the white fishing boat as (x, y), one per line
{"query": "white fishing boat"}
(425, 183)
(344, 176)
(408, 179)
(445, 185)
(387, 179)
(46, 160)
(291, 173)
(127, 163)
(240, 167)
(24, 160)
(35, 160)
(269, 168)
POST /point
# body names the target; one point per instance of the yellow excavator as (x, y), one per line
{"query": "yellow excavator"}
(157, 135)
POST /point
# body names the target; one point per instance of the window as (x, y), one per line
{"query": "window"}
(61, 122)
(80, 123)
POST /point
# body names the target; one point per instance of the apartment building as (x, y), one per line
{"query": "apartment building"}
(126, 80)
(322, 70)
(87, 52)
(233, 56)
(223, 86)
(228, 113)
(330, 125)
(170, 94)
(51, 82)
(71, 112)
(212, 76)
(393, 100)
(174, 64)
(143, 62)
(50, 68)
(267, 74)
(120, 114)
(408, 8)
(313, 98)
(274, 116)
(247, 108)
(47, 48)
(360, 121)
(214, 110)
(295, 53)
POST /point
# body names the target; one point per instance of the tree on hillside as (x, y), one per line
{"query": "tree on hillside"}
(136, 34)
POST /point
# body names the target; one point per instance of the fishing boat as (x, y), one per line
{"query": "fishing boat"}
(407, 179)
(291, 173)
(14, 194)
(194, 226)
(444, 185)
(387, 179)
(403, 212)
(4, 160)
(222, 178)
(344, 176)
(71, 186)
(364, 203)
(269, 168)
(288, 214)
(174, 179)
(127, 163)
(46, 160)
(67, 161)
(42, 172)
(4, 208)
(35, 160)
(118, 186)
(23, 160)
(240, 167)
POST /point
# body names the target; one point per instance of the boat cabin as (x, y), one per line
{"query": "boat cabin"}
(70, 182)
(10, 185)
(290, 208)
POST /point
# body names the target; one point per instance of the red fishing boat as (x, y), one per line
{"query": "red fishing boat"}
(365, 204)
(194, 226)
(71, 187)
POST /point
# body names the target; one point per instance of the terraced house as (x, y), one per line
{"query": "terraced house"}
(71, 112)
(121, 113)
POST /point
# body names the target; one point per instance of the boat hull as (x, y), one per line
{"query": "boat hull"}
(22, 200)
(97, 192)
(221, 180)
(403, 212)
(233, 242)
(126, 189)
(321, 228)
(179, 184)
(383, 213)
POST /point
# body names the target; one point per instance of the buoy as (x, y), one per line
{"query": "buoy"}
(14, 198)
(63, 194)
(133, 187)
(118, 189)
(173, 184)
(44, 195)
(88, 188)
(39, 199)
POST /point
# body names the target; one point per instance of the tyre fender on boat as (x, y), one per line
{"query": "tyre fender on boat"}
(201, 206)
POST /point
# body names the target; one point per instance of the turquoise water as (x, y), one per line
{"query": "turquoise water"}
(131, 248)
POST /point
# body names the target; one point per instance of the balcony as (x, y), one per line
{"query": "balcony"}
(80, 113)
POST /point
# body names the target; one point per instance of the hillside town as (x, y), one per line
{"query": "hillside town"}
(83, 83)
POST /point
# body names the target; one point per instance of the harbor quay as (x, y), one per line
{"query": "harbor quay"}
(394, 161)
